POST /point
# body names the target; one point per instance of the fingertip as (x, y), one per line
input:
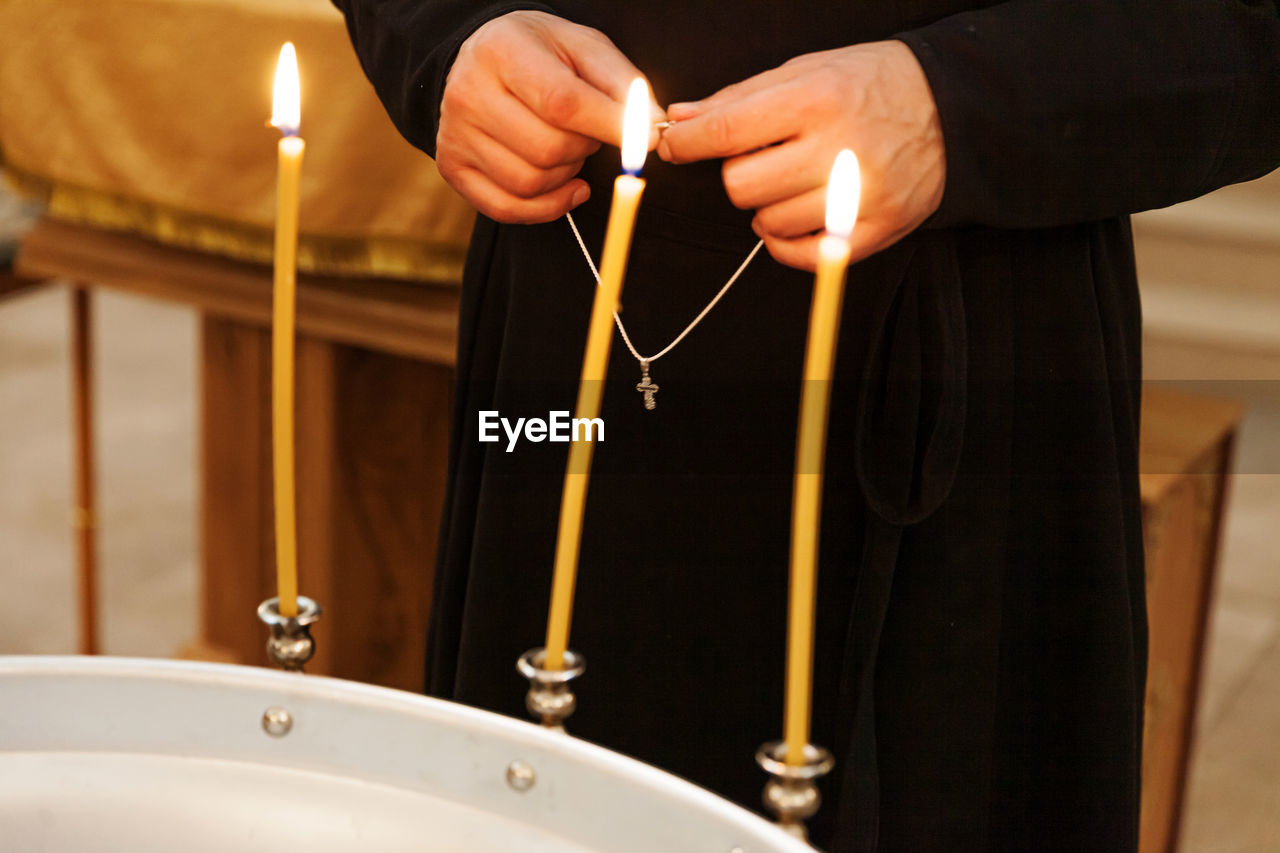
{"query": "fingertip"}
(800, 253)
(664, 150)
(580, 194)
(658, 123)
(683, 110)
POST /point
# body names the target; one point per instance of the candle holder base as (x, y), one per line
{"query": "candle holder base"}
(549, 699)
(792, 793)
(290, 644)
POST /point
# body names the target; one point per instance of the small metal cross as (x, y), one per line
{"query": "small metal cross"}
(647, 386)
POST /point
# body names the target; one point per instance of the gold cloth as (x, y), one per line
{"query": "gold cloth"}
(150, 116)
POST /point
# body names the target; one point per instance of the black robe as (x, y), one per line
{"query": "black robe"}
(981, 645)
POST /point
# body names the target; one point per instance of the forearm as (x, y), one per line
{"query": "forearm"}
(1055, 112)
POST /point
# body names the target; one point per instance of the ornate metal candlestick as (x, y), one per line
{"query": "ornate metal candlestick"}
(792, 793)
(290, 644)
(550, 700)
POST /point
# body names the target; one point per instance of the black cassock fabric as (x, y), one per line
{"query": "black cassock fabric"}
(981, 645)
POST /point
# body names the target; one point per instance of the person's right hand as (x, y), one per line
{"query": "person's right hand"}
(529, 97)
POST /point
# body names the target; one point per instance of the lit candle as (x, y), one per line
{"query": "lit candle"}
(617, 243)
(285, 114)
(843, 191)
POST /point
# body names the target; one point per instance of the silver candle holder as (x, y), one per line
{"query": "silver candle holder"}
(792, 792)
(549, 699)
(290, 644)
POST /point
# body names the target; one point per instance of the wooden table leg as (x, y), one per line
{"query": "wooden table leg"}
(85, 469)
(371, 448)
(237, 563)
(1187, 449)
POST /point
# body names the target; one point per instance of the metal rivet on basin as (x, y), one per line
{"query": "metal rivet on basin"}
(520, 776)
(276, 721)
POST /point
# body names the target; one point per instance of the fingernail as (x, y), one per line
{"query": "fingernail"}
(580, 195)
(664, 149)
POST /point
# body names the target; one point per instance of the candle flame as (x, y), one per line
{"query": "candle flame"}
(844, 190)
(286, 108)
(635, 127)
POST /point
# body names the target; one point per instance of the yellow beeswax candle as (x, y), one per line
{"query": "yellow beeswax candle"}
(806, 508)
(627, 190)
(285, 115)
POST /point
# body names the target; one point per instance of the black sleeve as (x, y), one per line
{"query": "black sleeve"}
(1060, 111)
(406, 48)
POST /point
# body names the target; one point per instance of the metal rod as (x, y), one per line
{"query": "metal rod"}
(792, 791)
(290, 644)
(550, 699)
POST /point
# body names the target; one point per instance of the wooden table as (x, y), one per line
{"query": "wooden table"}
(374, 371)
(11, 283)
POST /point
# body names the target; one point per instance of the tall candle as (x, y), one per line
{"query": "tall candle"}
(627, 190)
(843, 190)
(286, 110)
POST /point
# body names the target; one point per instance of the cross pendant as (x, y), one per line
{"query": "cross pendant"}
(647, 386)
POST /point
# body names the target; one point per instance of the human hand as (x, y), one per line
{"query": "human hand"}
(781, 130)
(529, 97)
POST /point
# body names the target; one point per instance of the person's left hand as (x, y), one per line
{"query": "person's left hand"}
(781, 130)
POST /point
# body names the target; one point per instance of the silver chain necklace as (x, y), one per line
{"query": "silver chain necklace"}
(646, 385)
